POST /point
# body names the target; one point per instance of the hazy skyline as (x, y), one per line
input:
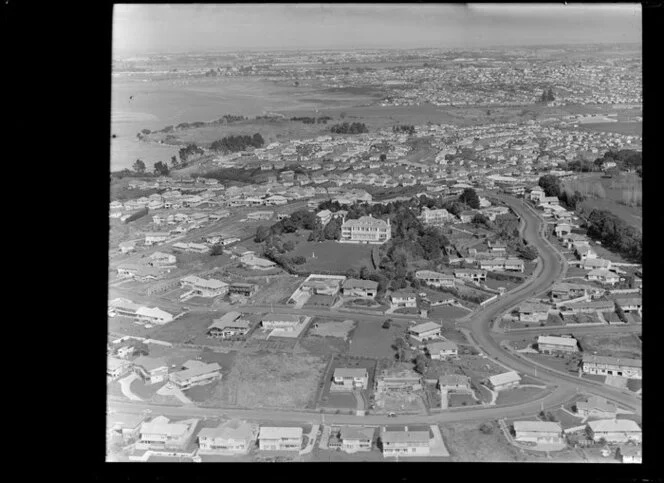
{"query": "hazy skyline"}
(180, 28)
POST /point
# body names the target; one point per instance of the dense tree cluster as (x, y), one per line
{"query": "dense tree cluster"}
(188, 152)
(312, 120)
(547, 95)
(138, 214)
(139, 166)
(349, 128)
(470, 198)
(615, 234)
(237, 143)
(550, 184)
(230, 174)
(405, 128)
(161, 169)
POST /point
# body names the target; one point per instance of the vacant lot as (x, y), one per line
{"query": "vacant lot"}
(615, 345)
(332, 328)
(562, 364)
(126, 326)
(330, 255)
(518, 395)
(324, 346)
(371, 340)
(466, 443)
(276, 289)
(190, 327)
(460, 399)
(339, 400)
(275, 380)
(447, 312)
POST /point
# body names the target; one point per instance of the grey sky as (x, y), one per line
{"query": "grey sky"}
(180, 28)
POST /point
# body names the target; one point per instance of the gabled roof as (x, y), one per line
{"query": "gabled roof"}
(356, 283)
(350, 372)
(453, 380)
(232, 429)
(153, 312)
(363, 433)
(552, 339)
(271, 432)
(425, 327)
(445, 345)
(366, 221)
(405, 437)
(162, 425)
(612, 360)
(150, 363)
(504, 378)
(537, 426)
(196, 371)
(614, 425)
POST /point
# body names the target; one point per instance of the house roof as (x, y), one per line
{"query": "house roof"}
(453, 380)
(366, 221)
(115, 363)
(225, 320)
(150, 363)
(614, 425)
(362, 433)
(552, 339)
(196, 371)
(121, 303)
(232, 429)
(356, 283)
(350, 372)
(425, 327)
(598, 403)
(612, 360)
(429, 274)
(271, 432)
(405, 437)
(153, 312)
(281, 318)
(504, 378)
(533, 307)
(626, 301)
(445, 345)
(537, 426)
(125, 420)
(599, 304)
(403, 294)
(162, 425)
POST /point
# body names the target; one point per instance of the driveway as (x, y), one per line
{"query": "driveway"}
(125, 387)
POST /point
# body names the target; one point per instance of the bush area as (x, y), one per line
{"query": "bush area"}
(615, 234)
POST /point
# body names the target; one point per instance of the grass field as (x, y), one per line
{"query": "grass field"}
(339, 400)
(447, 312)
(467, 444)
(332, 328)
(615, 345)
(559, 364)
(275, 380)
(460, 399)
(518, 395)
(324, 346)
(331, 255)
(191, 327)
(371, 340)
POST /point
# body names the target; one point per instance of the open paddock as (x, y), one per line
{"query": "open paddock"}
(371, 340)
(333, 256)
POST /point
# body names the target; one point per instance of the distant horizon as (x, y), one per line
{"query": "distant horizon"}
(163, 29)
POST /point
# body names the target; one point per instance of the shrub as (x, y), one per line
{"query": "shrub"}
(486, 428)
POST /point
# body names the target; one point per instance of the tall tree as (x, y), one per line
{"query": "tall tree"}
(139, 166)
(469, 197)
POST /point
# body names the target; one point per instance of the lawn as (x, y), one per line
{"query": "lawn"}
(594, 377)
(324, 346)
(518, 395)
(273, 380)
(447, 312)
(192, 326)
(323, 328)
(634, 384)
(145, 391)
(557, 363)
(457, 400)
(126, 326)
(339, 400)
(371, 340)
(334, 256)
(467, 444)
(615, 345)
(202, 393)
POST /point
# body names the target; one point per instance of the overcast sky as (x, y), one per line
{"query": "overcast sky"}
(182, 28)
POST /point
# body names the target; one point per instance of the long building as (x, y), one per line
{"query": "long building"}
(612, 366)
(366, 229)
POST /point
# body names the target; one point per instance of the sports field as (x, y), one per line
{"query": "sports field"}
(330, 255)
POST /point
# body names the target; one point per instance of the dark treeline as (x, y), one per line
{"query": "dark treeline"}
(615, 234)
(349, 128)
(188, 152)
(552, 186)
(312, 120)
(406, 128)
(237, 143)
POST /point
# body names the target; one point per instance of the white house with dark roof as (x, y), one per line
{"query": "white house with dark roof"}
(195, 373)
(454, 382)
(359, 288)
(629, 304)
(612, 366)
(533, 312)
(615, 430)
(538, 432)
(403, 299)
(354, 439)
(230, 437)
(435, 279)
(552, 344)
(425, 331)
(229, 325)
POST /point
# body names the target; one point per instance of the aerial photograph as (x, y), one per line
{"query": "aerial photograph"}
(375, 233)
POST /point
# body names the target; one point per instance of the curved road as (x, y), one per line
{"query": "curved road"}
(551, 265)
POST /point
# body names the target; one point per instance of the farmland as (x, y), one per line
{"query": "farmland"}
(332, 256)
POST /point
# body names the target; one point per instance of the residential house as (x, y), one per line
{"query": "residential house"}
(403, 299)
(138, 272)
(562, 229)
(346, 379)
(195, 373)
(156, 237)
(596, 407)
(127, 246)
(260, 215)
(533, 312)
(454, 382)
(629, 304)
(513, 265)
(405, 443)
(161, 434)
(538, 431)
(425, 331)
(536, 194)
(117, 367)
(280, 438)
(612, 366)
(232, 436)
(204, 288)
(552, 344)
(360, 288)
(324, 217)
(322, 285)
(366, 229)
(229, 325)
(565, 291)
(435, 279)
(241, 288)
(443, 350)
(587, 307)
(435, 217)
(506, 380)
(122, 308)
(630, 454)
(595, 264)
(151, 369)
(470, 274)
(252, 262)
(497, 247)
(615, 430)
(395, 379)
(153, 315)
(125, 425)
(584, 252)
(160, 259)
(285, 322)
(467, 216)
(355, 439)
